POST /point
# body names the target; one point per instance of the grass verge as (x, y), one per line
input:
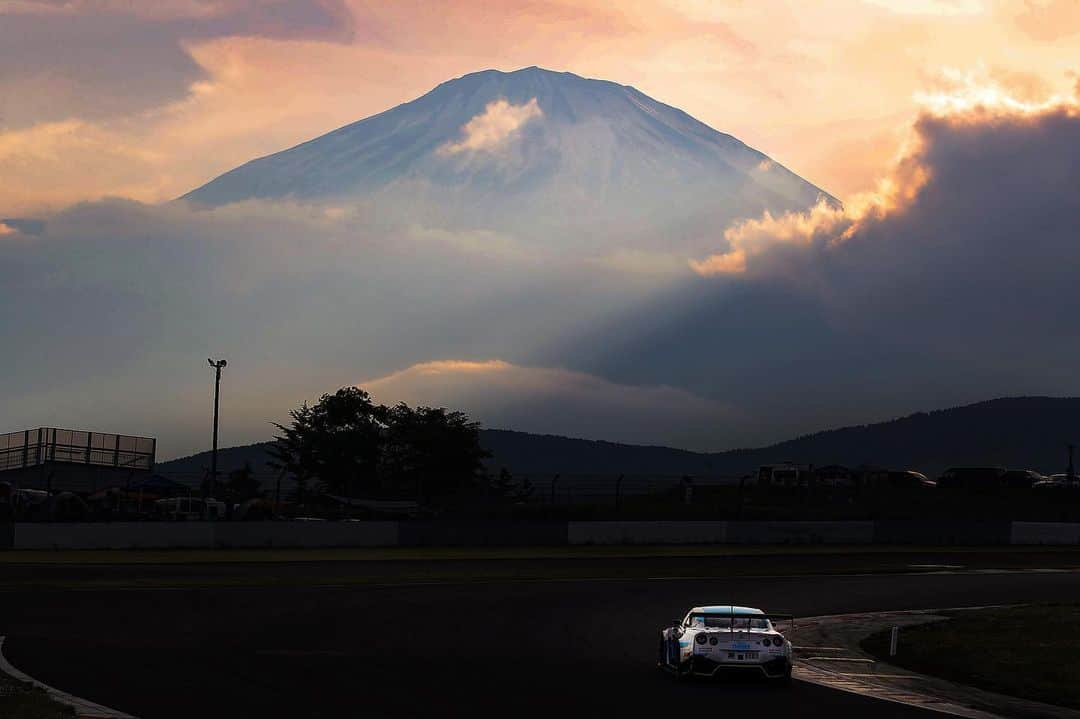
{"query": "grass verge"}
(1031, 652)
(19, 700)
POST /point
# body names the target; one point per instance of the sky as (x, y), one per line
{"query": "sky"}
(948, 129)
(149, 100)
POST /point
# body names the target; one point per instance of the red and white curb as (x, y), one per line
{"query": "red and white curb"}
(84, 708)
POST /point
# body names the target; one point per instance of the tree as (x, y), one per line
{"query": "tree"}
(353, 446)
(243, 485)
(432, 450)
(505, 486)
(335, 442)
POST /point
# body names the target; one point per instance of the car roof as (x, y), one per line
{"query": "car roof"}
(725, 609)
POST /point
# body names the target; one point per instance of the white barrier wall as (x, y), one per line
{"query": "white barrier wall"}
(207, 535)
(720, 532)
(113, 535)
(305, 534)
(646, 532)
(1045, 533)
(204, 535)
(800, 532)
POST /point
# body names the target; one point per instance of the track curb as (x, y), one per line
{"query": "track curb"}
(84, 708)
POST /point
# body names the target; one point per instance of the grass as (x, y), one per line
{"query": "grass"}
(1031, 652)
(19, 700)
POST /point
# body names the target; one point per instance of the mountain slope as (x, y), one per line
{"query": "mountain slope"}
(1018, 432)
(508, 150)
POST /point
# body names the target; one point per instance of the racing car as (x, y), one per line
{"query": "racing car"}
(713, 639)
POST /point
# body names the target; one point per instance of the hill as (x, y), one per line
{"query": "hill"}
(1019, 432)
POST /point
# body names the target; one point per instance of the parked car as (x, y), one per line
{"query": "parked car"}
(835, 475)
(1056, 482)
(189, 508)
(909, 479)
(971, 478)
(1021, 478)
(784, 475)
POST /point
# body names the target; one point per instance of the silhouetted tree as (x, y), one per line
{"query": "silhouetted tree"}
(506, 487)
(433, 450)
(336, 441)
(243, 485)
(351, 445)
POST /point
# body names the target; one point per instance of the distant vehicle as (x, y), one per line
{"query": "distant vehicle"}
(835, 475)
(971, 478)
(713, 639)
(1021, 478)
(784, 475)
(909, 479)
(1056, 482)
(189, 508)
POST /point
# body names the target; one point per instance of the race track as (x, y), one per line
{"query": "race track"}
(503, 647)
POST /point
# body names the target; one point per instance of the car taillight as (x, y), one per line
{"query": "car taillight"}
(713, 640)
(701, 639)
(778, 640)
(765, 642)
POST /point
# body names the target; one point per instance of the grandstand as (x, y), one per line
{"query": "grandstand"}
(72, 460)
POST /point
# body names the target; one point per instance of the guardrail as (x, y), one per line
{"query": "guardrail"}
(34, 447)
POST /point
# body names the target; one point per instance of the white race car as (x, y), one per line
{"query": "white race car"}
(713, 639)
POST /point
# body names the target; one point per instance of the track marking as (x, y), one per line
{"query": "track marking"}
(914, 689)
(845, 682)
(84, 708)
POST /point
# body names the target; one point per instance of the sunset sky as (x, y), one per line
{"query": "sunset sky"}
(626, 294)
(147, 100)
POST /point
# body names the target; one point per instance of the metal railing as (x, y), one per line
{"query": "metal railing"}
(35, 447)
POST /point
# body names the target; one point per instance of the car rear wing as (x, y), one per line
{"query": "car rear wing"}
(773, 617)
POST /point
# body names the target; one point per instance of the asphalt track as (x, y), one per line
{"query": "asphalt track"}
(506, 647)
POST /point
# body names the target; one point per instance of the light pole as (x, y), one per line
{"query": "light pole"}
(218, 366)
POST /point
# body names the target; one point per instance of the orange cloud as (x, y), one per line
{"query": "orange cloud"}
(555, 400)
(489, 130)
(973, 99)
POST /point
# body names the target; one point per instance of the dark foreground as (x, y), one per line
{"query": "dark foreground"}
(453, 646)
(1030, 651)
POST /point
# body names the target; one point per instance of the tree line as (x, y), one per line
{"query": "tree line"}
(348, 445)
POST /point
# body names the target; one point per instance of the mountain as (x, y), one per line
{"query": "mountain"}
(530, 152)
(1017, 432)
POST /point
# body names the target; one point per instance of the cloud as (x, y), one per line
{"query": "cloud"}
(65, 60)
(492, 128)
(551, 400)
(973, 101)
(6, 229)
(1049, 20)
(299, 299)
(931, 7)
(952, 282)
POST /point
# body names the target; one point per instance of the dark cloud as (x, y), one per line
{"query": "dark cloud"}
(965, 291)
(91, 62)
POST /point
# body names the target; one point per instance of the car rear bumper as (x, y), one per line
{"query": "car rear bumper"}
(775, 668)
